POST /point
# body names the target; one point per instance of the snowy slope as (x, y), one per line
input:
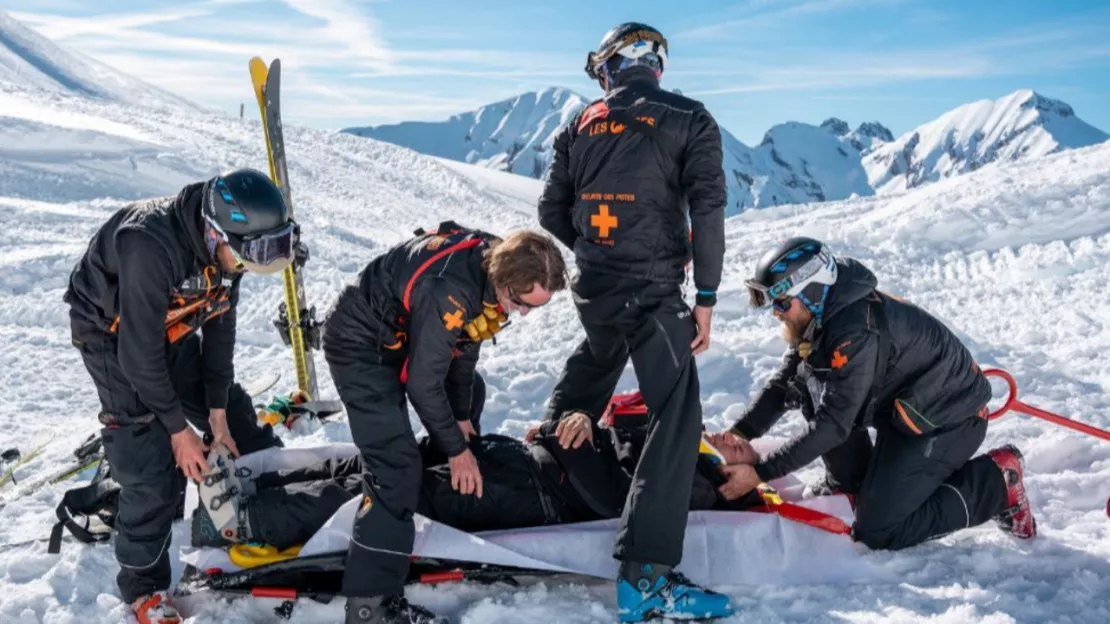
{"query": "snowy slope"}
(796, 162)
(1023, 124)
(1013, 256)
(511, 135)
(31, 60)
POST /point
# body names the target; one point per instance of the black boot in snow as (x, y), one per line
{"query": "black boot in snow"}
(389, 610)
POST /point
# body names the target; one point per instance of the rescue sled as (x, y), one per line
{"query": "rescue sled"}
(789, 535)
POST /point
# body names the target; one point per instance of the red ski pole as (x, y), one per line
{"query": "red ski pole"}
(1012, 403)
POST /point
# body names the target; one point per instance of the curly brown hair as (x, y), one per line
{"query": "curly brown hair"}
(523, 259)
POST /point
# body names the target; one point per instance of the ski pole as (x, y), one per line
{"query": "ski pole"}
(1012, 403)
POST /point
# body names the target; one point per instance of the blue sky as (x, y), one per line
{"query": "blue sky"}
(754, 63)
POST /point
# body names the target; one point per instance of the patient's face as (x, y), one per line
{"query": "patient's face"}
(734, 450)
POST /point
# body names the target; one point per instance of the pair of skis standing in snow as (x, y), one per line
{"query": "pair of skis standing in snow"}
(412, 327)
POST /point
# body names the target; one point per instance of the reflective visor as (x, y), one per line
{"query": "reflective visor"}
(757, 294)
(269, 247)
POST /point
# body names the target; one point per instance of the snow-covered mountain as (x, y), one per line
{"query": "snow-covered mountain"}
(1023, 124)
(795, 163)
(866, 137)
(29, 59)
(513, 135)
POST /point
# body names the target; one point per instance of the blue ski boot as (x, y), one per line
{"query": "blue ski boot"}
(647, 591)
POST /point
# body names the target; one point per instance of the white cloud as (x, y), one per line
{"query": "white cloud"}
(356, 32)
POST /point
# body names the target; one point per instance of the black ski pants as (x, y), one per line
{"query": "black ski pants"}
(291, 505)
(911, 489)
(369, 384)
(651, 324)
(140, 456)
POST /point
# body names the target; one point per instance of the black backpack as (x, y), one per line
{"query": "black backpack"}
(89, 512)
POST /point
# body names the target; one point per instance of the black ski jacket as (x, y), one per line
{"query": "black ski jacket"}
(617, 191)
(600, 475)
(148, 277)
(931, 381)
(409, 308)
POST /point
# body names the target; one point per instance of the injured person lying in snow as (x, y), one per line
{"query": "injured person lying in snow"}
(525, 485)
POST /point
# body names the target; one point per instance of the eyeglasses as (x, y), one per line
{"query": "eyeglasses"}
(515, 298)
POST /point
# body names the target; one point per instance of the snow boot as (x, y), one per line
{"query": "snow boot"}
(389, 610)
(1017, 518)
(648, 591)
(221, 517)
(155, 608)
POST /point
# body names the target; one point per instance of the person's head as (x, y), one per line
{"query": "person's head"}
(794, 279)
(526, 269)
(247, 224)
(627, 45)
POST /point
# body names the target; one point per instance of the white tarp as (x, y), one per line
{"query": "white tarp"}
(721, 547)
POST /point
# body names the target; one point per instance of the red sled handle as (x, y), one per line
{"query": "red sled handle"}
(1012, 403)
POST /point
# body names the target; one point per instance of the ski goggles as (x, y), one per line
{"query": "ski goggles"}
(633, 46)
(265, 252)
(760, 296)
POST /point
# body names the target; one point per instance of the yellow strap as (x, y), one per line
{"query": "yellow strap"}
(707, 449)
(254, 555)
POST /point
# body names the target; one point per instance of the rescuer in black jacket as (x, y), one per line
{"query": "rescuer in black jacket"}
(153, 275)
(412, 327)
(859, 358)
(636, 188)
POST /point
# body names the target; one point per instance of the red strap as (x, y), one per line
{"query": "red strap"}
(466, 244)
(807, 516)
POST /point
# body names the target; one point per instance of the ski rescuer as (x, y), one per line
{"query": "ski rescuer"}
(635, 182)
(412, 326)
(860, 358)
(154, 274)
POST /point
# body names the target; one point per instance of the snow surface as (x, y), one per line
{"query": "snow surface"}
(29, 59)
(1023, 124)
(1013, 256)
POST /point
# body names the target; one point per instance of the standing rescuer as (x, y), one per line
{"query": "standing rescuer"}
(636, 181)
(412, 327)
(154, 274)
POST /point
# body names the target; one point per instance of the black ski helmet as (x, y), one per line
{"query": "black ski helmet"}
(249, 212)
(627, 42)
(800, 267)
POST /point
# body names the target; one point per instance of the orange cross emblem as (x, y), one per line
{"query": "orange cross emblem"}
(453, 320)
(603, 221)
(839, 359)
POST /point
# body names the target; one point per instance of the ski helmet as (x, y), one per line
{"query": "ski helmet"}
(248, 212)
(625, 45)
(800, 267)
